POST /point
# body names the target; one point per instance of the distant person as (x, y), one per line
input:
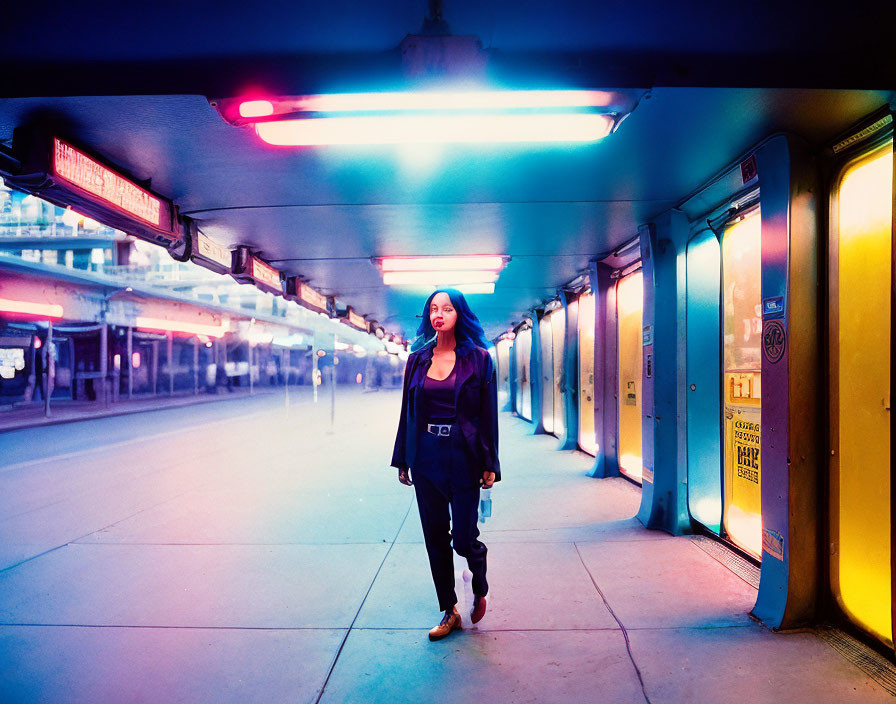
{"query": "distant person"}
(448, 440)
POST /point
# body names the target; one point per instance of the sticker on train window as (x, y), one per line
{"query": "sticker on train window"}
(773, 307)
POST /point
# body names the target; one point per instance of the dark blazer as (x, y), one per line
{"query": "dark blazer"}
(475, 400)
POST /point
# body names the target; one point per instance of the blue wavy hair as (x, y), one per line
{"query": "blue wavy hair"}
(467, 330)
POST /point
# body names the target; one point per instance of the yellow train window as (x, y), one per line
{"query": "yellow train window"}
(860, 401)
(741, 283)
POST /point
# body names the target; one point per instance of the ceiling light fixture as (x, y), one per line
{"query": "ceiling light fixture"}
(402, 278)
(431, 117)
(486, 262)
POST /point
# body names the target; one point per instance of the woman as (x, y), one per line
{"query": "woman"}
(448, 439)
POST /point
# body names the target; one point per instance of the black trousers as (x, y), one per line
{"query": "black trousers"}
(442, 481)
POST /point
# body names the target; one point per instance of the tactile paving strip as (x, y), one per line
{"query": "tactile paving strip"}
(873, 664)
(738, 564)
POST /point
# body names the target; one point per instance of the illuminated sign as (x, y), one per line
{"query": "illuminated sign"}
(80, 170)
(296, 290)
(312, 297)
(211, 254)
(264, 274)
(247, 268)
(74, 178)
(356, 320)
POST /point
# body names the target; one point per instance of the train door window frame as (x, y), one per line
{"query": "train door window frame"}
(863, 153)
(749, 432)
(631, 473)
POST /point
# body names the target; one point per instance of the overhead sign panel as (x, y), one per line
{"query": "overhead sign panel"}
(301, 292)
(93, 188)
(357, 320)
(210, 254)
(247, 268)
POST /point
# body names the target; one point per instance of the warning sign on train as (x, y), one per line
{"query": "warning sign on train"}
(746, 450)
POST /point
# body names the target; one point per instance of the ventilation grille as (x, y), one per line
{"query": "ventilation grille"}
(873, 664)
(738, 564)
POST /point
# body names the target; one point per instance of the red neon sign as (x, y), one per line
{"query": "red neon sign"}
(80, 170)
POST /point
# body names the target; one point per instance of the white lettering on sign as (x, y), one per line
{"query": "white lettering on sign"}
(357, 320)
(265, 274)
(312, 297)
(82, 171)
(210, 249)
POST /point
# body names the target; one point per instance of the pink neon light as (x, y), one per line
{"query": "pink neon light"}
(135, 360)
(37, 343)
(44, 310)
(256, 108)
(183, 327)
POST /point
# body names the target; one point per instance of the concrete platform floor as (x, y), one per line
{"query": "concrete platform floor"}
(237, 552)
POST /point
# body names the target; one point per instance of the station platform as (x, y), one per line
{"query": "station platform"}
(243, 552)
(31, 415)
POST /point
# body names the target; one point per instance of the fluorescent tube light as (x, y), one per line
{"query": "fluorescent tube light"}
(438, 100)
(402, 278)
(183, 327)
(437, 128)
(463, 263)
(45, 310)
(475, 288)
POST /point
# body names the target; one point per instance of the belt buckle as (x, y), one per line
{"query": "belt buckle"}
(439, 429)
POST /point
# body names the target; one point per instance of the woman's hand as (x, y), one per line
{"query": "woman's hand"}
(404, 478)
(488, 480)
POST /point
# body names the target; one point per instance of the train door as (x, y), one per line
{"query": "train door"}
(546, 342)
(503, 348)
(861, 358)
(704, 408)
(558, 348)
(629, 316)
(523, 349)
(741, 381)
(587, 437)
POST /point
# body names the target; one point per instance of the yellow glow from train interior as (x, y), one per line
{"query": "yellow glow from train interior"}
(861, 561)
(632, 465)
(43, 310)
(465, 263)
(439, 128)
(742, 324)
(402, 278)
(744, 528)
(630, 293)
(629, 360)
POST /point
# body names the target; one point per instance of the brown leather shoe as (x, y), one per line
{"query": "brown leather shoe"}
(478, 609)
(450, 621)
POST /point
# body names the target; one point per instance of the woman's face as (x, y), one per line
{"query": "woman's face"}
(441, 313)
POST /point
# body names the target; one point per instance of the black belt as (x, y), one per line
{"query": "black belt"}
(442, 430)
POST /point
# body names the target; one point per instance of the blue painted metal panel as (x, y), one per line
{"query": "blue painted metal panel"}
(704, 411)
(569, 381)
(606, 463)
(664, 441)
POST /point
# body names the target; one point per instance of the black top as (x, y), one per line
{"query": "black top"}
(438, 397)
